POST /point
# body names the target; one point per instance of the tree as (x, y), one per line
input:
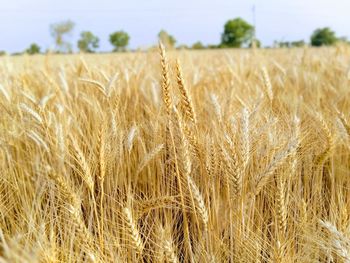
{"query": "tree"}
(58, 31)
(343, 40)
(257, 43)
(119, 40)
(182, 47)
(33, 49)
(88, 42)
(166, 39)
(213, 46)
(284, 44)
(298, 43)
(198, 45)
(237, 32)
(323, 37)
(289, 44)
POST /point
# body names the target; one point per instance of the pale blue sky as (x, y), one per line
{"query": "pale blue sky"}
(26, 21)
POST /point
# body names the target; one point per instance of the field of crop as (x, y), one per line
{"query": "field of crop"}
(186, 156)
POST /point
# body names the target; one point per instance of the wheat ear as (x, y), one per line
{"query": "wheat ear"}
(165, 83)
(169, 251)
(330, 142)
(38, 140)
(167, 246)
(131, 137)
(159, 202)
(65, 188)
(267, 83)
(5, 92)
(86, 174)
(339, 243)
(82, 229)
(200, 202)
(217, 107)
(297, 128)
(277, 161)
(133, 230)
(149, 157)
(245, 147)
(24, 107)
(345, 123)
(187, 106)
(60, 142)
(235, 177)
(281, 205)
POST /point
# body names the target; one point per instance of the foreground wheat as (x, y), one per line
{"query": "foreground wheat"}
(215, 156)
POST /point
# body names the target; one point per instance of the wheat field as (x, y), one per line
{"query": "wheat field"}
(179, 156)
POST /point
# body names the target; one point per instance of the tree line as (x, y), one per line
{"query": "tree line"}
(237, 33)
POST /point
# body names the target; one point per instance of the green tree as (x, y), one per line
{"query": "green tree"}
(298, 43)
(237, 32)
(182, 47)
(33, 49)
(58, 32)
(323, 37)
(119, 40)
(88, 42)
(198, 45)
(213, 46)
(343, 40)
(257, 43)
(282, 44)
(166, 39)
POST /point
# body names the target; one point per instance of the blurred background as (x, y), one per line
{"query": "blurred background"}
(190, 24)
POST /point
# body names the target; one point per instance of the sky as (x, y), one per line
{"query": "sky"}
(25, 21)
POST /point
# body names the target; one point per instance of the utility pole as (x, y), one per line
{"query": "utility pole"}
(254, 31)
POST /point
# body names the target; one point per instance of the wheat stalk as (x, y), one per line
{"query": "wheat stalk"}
(101, 177)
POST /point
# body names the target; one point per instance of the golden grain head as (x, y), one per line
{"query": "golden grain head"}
(232, 162)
